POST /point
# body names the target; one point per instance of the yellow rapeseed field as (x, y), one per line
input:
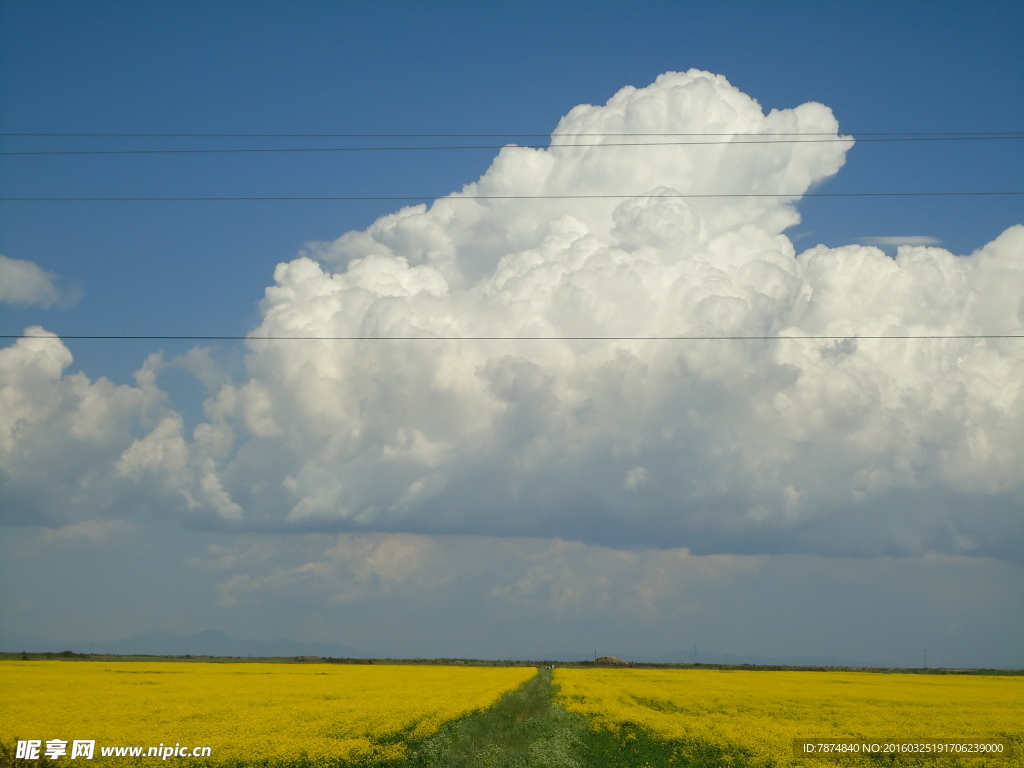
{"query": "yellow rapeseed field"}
(244, 712)
(758, 714)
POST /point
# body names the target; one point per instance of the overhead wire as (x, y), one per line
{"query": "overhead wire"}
(458, 197)
(498, 135)
(555, 144)
(744, 138)
(887, 337)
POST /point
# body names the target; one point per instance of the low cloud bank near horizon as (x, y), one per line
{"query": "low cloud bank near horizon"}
(403, 595)
(826, 447)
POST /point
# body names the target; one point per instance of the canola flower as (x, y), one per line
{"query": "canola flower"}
(756, 715)
(315, 714)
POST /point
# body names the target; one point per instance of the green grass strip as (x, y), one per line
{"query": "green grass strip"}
(521, 730)
(525, 729)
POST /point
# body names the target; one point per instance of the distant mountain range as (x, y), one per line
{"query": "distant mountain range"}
(160, 642)
(165, 643)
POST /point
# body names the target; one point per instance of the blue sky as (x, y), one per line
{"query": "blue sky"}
(202, 268)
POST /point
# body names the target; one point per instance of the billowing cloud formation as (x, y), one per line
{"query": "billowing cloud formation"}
(791, 444)
(72, 449)
(26, 283)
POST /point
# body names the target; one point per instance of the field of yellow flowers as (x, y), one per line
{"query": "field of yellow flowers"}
(752, 718)
(244, 712)
(324, 715)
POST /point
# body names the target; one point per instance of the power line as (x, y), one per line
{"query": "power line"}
(493, 135)
(285, 150)
(513, 338)
(442, 147)
(457, 196)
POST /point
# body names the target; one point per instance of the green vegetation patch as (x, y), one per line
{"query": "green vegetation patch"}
(526, 730)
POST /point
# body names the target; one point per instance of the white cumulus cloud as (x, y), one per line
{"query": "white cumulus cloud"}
(850, 446)
(73, 450)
